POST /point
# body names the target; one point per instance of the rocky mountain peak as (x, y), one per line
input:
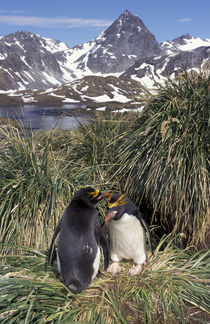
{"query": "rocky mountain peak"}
(32, 61)
(20, 36)
(126, 22)
(127, 17)
(125, 41)
(181, 39)
(126, 13)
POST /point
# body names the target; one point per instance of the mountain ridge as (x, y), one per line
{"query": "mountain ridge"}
(29, 61)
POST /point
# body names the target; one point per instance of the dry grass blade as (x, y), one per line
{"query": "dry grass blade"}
(173, 284)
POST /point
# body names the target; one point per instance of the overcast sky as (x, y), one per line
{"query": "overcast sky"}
(79, 21)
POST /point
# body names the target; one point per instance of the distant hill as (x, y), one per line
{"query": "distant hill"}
(93, 90)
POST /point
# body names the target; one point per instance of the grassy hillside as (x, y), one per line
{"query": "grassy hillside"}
(160, 159)
(88, 90)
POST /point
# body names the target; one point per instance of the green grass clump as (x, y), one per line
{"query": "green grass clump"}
(97, 145)
(171, 289)
(33, 191)
(39, 174)
(166, 157)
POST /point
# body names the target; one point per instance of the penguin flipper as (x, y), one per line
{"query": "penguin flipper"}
(102, 241)
(52, 245)
(147, 229)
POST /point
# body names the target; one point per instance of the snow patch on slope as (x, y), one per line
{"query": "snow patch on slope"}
(194, 43)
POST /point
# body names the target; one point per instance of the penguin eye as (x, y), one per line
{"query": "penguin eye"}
(94, 193)
(110, 201)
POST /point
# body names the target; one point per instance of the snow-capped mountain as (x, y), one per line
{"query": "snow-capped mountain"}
(182, 53)
(126, 48)
(153, 70)
(28, 61)
(184, 43)
(119, 46)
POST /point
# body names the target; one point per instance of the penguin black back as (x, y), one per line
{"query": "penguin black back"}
(78, 253)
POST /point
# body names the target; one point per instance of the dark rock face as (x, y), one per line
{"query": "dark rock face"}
(26, 58)
(159, 67)
(125, 41)
(181, 39)
(128, 35)
(187, 60)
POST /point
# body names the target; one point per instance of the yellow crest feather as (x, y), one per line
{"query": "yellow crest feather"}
(94, 193)
(119, 202)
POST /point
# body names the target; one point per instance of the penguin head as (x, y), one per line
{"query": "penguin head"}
(116, 207)
(91, 195)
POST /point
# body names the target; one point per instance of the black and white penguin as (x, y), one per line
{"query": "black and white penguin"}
(127, 234)
(78, 252)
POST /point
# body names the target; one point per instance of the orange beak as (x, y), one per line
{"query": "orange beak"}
(109, 216)
(104, 195)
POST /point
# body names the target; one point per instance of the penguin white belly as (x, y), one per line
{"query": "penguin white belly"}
(58, 263)
(96, 264)
(127, 239)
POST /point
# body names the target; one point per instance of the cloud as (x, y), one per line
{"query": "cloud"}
(19, 12)
(15, 12)
(52, 22)
(184, 20)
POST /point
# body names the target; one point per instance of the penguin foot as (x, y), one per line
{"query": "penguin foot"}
(114, 268)
(136, 270)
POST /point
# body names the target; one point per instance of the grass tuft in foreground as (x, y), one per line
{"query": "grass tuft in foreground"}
(171, 289)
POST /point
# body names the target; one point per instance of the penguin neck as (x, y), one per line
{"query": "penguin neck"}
(82, 215)
(87, 203)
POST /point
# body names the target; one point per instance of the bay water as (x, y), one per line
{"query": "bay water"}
(36, 117)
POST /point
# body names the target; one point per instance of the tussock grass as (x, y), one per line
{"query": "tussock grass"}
(97, 146)
(171, 289)
(39, 173)
(166, 157)
(31, 185)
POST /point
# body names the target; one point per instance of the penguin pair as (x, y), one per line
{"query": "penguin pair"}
(80, 239)
(127, 234)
